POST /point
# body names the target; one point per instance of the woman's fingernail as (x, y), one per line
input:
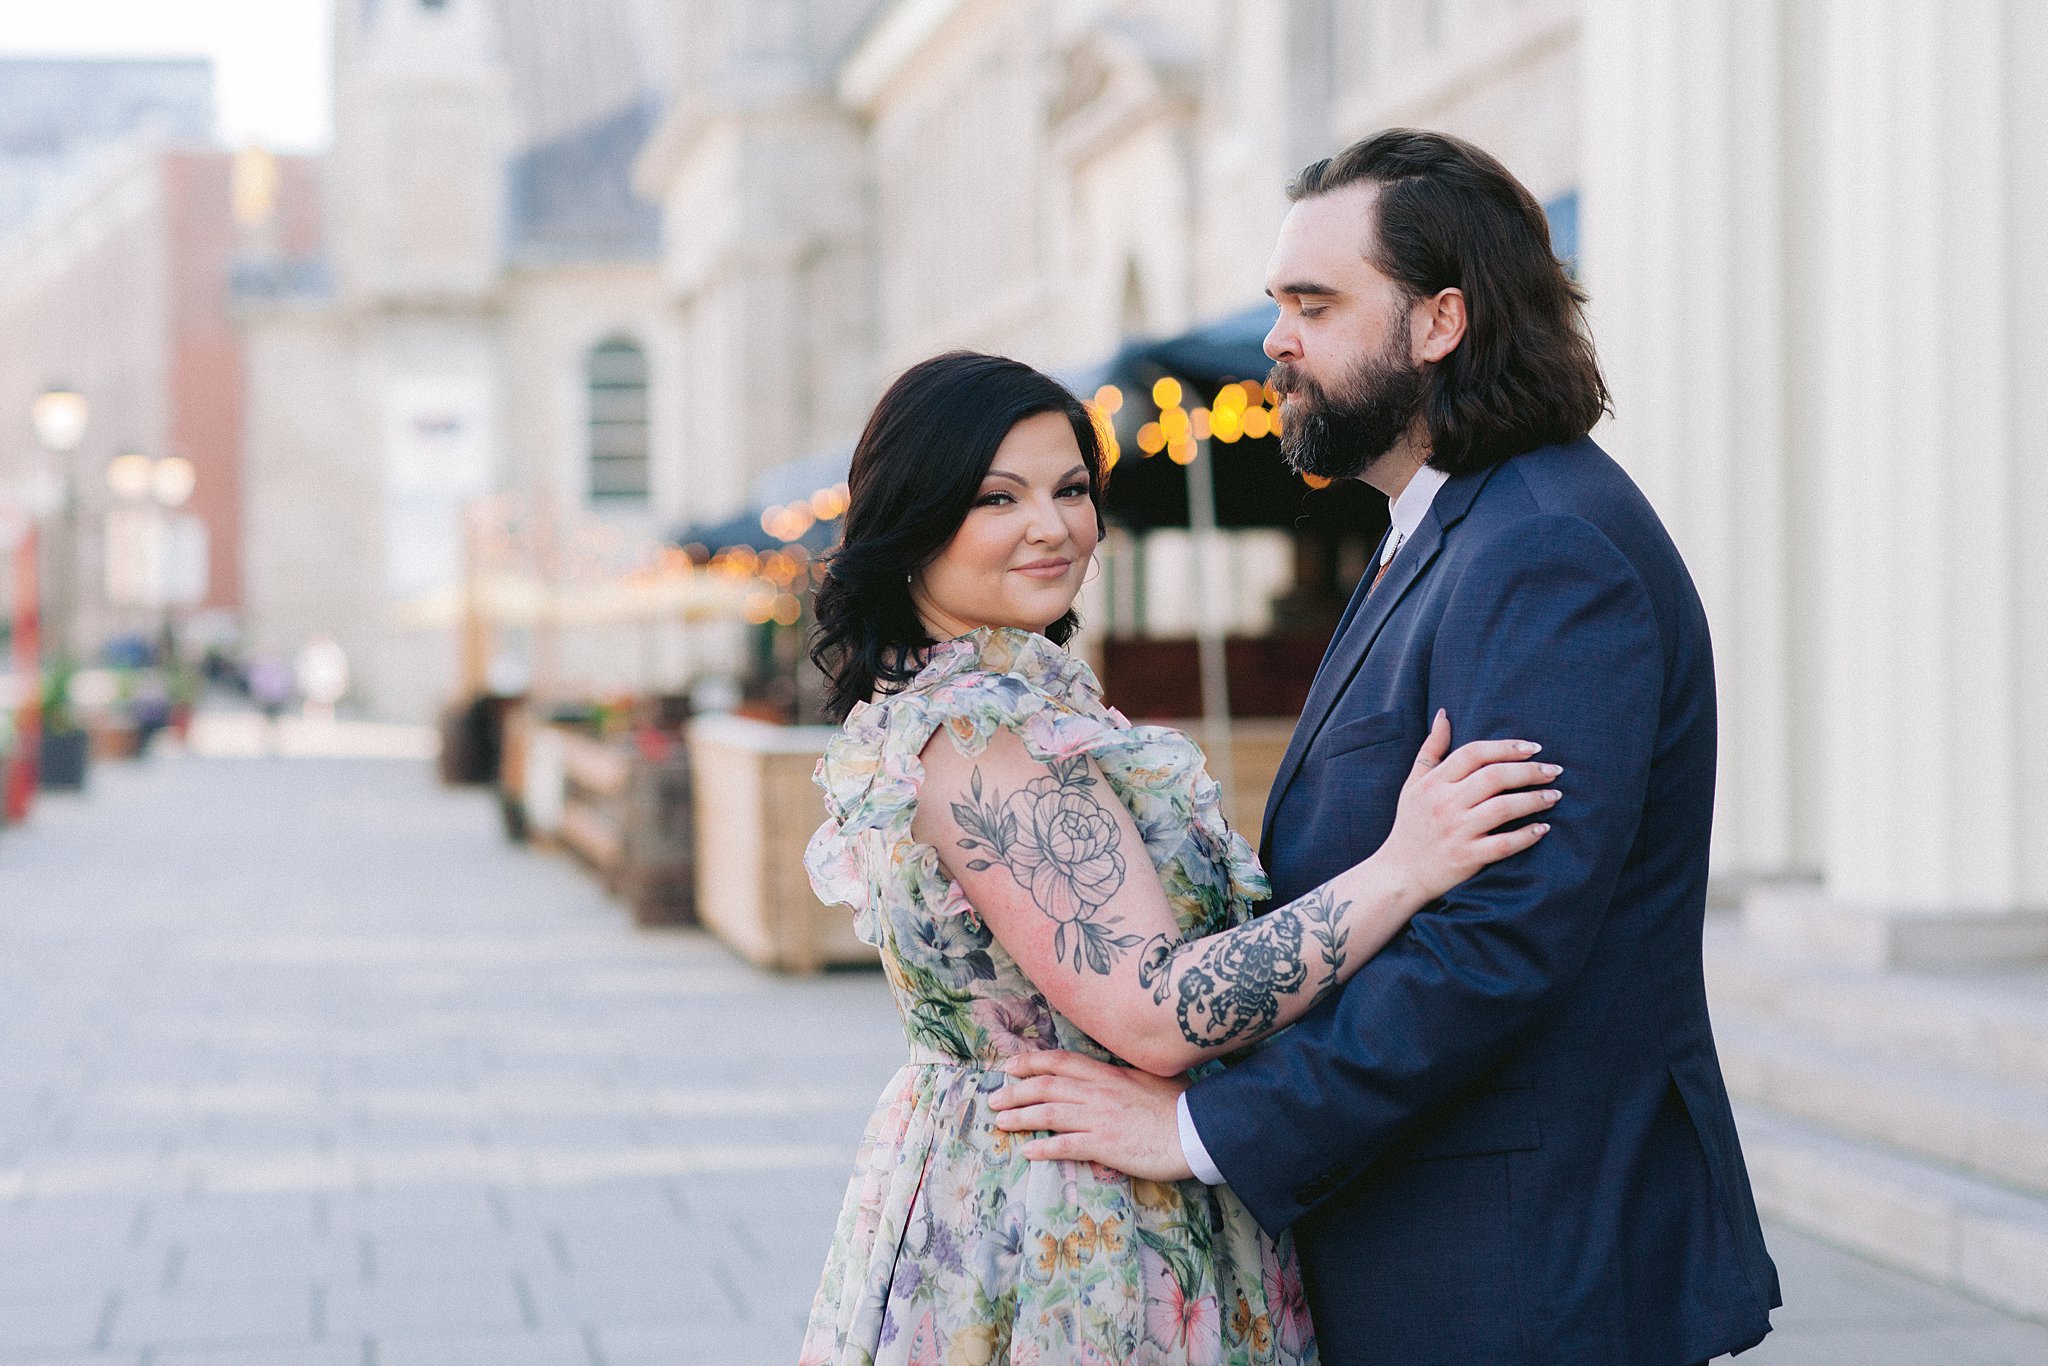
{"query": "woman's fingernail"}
(1542, 829)
(1531, 747)
(1551, 770)
(1552, 795)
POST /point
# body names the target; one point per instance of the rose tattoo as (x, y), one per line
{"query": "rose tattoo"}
(1062, 845)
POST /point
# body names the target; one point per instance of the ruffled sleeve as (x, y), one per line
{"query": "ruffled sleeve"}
(864, 855)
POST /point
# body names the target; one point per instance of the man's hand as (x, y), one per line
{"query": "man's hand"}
(1117, 1116)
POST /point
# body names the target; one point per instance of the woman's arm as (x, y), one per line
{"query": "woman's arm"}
(1054, 865)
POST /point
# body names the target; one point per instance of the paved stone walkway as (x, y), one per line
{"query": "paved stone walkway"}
(302, 1065)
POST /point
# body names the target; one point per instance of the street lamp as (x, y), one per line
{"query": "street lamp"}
(59, 414)
(155, 554)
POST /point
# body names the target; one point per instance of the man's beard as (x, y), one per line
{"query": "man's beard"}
(1340, 434)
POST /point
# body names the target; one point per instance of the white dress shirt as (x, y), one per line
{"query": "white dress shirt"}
(1406, 513)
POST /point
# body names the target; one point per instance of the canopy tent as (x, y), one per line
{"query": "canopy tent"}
(814, 482)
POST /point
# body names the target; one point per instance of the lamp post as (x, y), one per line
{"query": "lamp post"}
(58, 416)
(149, 558)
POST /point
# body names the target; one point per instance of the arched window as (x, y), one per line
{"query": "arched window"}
(618, 422)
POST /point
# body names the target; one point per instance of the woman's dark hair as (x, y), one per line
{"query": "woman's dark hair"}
(1450, 216)
(916, 471)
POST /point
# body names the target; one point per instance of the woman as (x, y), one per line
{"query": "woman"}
(1048, 875)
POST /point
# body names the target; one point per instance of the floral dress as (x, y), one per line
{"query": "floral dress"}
(952, 1249)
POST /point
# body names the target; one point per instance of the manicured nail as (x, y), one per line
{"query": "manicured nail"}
(1440, 715)
(1552, 795)
(1542, 829)
(1531, 747)
(1550, 770)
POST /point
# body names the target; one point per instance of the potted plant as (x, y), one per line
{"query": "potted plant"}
(61, 752)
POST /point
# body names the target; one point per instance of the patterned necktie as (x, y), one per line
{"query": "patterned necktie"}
(1385, 565)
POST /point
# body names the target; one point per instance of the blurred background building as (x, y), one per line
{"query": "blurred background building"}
(585, 292)
(639, 264)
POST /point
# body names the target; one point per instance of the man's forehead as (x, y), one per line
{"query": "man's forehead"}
(1323, 237)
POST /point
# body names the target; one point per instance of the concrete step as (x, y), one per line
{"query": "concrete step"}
(1992, 1129)
(1987, 1024)
(1984, 1240)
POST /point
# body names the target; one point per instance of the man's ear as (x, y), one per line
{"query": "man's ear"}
(1440, 323)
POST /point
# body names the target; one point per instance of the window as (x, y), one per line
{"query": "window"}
(618, 422)
(1563, 213)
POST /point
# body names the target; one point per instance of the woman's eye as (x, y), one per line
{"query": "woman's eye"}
(992, 500)
(1075, 491)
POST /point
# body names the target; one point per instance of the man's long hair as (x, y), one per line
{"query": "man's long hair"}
(1448, 215)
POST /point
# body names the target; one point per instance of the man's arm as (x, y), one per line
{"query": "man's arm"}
(1549, 634)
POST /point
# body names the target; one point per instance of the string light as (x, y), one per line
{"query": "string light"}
(1166, 393)
(1151, 440)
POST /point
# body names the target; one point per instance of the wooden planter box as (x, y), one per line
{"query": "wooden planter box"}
(621, 806)
(756, 808)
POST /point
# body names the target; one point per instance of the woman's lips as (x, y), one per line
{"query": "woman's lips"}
(1044, 569)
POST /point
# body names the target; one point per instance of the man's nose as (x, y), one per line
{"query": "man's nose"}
(1281, 344)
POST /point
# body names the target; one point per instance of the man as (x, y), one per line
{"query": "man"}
(1507, 1139)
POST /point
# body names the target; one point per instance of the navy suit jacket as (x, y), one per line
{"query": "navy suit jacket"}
(1507, 1139)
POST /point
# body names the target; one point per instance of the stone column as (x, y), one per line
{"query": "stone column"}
(1814, 234)
(1684, 215)
(1927, 297)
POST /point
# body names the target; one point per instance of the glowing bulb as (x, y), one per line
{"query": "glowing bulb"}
(128, 475)
(1227, 424)
(1176, 424)
(1151, 440)
(1181, 452)
(1258, 422)
(1166, 393)
(1109, 398)
(1199, 421)
(172, 480)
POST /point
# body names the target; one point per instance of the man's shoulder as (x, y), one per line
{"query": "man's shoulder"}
(1574, 486)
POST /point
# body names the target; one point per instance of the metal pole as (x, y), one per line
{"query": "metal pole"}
(1210, 620)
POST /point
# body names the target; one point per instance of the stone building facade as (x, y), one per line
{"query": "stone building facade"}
(115, 275)
(834, 188)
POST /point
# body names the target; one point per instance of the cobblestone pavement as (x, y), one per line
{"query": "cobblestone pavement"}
(302, 1065)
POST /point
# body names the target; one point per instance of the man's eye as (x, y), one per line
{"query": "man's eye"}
(1314, 311)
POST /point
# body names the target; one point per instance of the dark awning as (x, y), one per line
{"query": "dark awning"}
(1254, 488)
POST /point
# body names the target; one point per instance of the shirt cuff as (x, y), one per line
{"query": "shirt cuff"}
(1191, 1148)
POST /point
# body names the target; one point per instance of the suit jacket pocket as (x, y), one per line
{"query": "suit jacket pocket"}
(1357, 732)
(1497, 1121)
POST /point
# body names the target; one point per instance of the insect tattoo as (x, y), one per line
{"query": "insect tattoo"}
(1230, 986)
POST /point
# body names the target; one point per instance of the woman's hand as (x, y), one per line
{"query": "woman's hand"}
(1452, 804)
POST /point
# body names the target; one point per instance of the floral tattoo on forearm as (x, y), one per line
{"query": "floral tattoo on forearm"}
(1230, 986)
(1061, 844)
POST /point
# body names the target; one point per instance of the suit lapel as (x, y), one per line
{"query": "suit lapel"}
(1364, 618)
